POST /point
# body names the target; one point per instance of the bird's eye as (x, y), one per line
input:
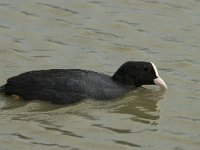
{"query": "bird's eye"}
(145, 68)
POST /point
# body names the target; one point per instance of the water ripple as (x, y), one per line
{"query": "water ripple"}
(187, 118)
(55, 41)
(96, 2)
(102, 33)
(145, 130)
(174, 132)
(18, 40)
(142, 106)
(172, 39)
(29, 14)
(4, 27)
(49, 144)
(20, 51)
(63, 132)
(129, 23)
(43, 50)
(59, 8)
(68, 22)
(42, 56)
(4, 4)
(127, 143)
(113, 129)
(21, 136)
(175, 6)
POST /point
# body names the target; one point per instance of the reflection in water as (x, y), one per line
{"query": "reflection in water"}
(143, 105)
(10, 103)
(29, 106)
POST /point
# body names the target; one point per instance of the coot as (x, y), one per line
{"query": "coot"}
(66, 86)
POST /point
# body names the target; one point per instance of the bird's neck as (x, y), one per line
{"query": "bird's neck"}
(125, 79)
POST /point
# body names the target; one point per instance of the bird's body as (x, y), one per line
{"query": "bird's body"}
(65, 86)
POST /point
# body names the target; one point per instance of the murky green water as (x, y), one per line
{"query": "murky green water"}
(100, 35)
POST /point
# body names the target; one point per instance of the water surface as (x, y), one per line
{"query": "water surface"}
(100, 35)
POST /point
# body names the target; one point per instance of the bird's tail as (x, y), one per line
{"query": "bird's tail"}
(2, 89)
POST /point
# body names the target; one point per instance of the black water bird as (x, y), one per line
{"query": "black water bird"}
(66, 86)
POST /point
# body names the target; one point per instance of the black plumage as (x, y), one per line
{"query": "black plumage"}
(65, 86)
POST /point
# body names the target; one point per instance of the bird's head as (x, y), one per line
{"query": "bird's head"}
(138, 74)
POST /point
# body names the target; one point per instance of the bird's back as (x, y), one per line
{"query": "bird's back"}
(64, 85)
